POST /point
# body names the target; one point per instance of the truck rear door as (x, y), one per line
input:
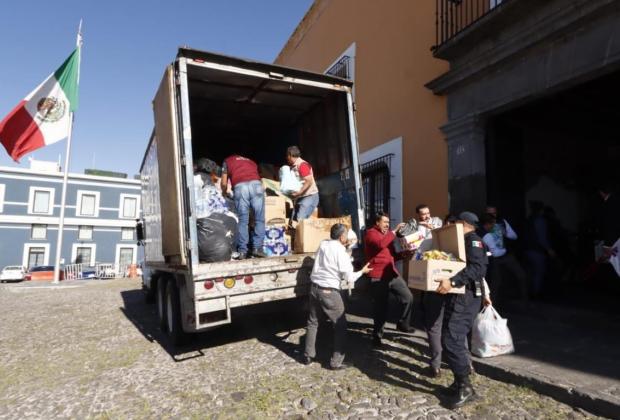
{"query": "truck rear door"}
(170, 176)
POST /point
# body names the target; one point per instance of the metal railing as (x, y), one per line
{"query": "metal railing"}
(376, 186)
(73, 271)
(101, 271)
(341, 68)
(454, 16)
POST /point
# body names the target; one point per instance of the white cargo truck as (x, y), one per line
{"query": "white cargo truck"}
(209, 105)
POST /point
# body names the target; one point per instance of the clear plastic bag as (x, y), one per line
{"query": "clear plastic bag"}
(490, 334)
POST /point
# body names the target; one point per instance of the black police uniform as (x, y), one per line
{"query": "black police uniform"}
(460, 311)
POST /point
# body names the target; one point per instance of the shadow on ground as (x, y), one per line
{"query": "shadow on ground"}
(275, 323)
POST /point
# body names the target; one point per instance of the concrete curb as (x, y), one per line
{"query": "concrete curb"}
(590, 401)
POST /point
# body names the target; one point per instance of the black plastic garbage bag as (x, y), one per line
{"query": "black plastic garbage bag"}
(215, 237)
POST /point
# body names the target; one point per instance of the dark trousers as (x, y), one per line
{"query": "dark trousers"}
(459, 314)
(501, 270)
(326, 303)
(381, 290)
(433, 308)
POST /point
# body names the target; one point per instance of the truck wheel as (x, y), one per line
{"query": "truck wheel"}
(160, 294)
(173, 315)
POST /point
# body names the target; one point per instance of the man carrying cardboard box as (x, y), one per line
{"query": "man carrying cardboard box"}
(460, 311)
(384, 277)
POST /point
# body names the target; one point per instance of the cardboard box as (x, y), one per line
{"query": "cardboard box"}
(275, 210)
(422, 275)
(310, 232)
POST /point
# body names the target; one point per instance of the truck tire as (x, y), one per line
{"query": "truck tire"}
(174, 324)
(160, 294)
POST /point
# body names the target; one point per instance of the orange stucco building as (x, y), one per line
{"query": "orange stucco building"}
(384, 47)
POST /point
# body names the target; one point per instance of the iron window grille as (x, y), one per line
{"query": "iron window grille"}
(376, 176)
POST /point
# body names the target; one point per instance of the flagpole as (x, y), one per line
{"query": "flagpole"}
(63, 198)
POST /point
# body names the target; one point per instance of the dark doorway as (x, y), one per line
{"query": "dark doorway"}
(559, 150)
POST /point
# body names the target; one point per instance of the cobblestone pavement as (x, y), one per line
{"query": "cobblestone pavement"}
(95, 352)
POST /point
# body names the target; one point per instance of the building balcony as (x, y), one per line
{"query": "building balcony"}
(455, 19)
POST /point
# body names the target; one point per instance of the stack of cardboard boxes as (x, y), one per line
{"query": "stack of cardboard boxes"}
(308, 233)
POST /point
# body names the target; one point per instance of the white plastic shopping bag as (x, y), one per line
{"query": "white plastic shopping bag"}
(289, 183)
(490, 334)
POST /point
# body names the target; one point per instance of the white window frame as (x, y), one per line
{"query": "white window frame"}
(31, 194)
(394, 147)
(133, 235)
(93, 251)
(349, 52)
(46, 255)
(78, 204)
(2, 189)
(117, 258)
(32, 231)
(92, 229)
(122, 202)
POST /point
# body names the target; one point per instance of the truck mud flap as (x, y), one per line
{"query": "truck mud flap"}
(221, 305)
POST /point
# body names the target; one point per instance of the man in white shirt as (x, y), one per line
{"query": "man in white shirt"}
(331, 264)
(502, 264)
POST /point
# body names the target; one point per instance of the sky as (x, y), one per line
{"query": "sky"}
(127, 45)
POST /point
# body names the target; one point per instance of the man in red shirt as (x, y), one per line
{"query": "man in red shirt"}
(384, 277)
(307, 198)
(248, 194)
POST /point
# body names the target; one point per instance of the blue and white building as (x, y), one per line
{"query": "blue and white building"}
(100, 216)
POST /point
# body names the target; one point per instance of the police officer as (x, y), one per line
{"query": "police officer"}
(460, 311)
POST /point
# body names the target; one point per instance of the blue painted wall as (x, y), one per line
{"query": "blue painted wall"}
(15, 232)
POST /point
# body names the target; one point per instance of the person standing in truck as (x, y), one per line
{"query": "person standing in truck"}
(248, 194)
(307, 198)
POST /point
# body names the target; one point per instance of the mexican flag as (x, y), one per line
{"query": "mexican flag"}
(43, 117)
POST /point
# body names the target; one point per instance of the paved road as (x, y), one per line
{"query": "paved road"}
(94, 351)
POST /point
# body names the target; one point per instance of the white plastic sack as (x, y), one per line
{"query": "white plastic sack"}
(289, 182)
(490, 334)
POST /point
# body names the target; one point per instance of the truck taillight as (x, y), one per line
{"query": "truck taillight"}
(229, 283)
(248, 279)
(219, 280)
(209, 284)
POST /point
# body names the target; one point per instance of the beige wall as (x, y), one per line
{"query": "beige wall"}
(393, 62)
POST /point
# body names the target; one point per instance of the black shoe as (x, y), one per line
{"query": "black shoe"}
(376, 342)
(239, 256)
(306, 360)
(341, 366)
(258, 253)
(405, 328)
(431, 372)
(449, 391)
(464, 395)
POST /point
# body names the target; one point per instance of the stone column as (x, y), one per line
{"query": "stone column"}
(466, 163)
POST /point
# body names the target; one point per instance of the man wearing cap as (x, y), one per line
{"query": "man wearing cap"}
(331, 263)
(460, 311)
